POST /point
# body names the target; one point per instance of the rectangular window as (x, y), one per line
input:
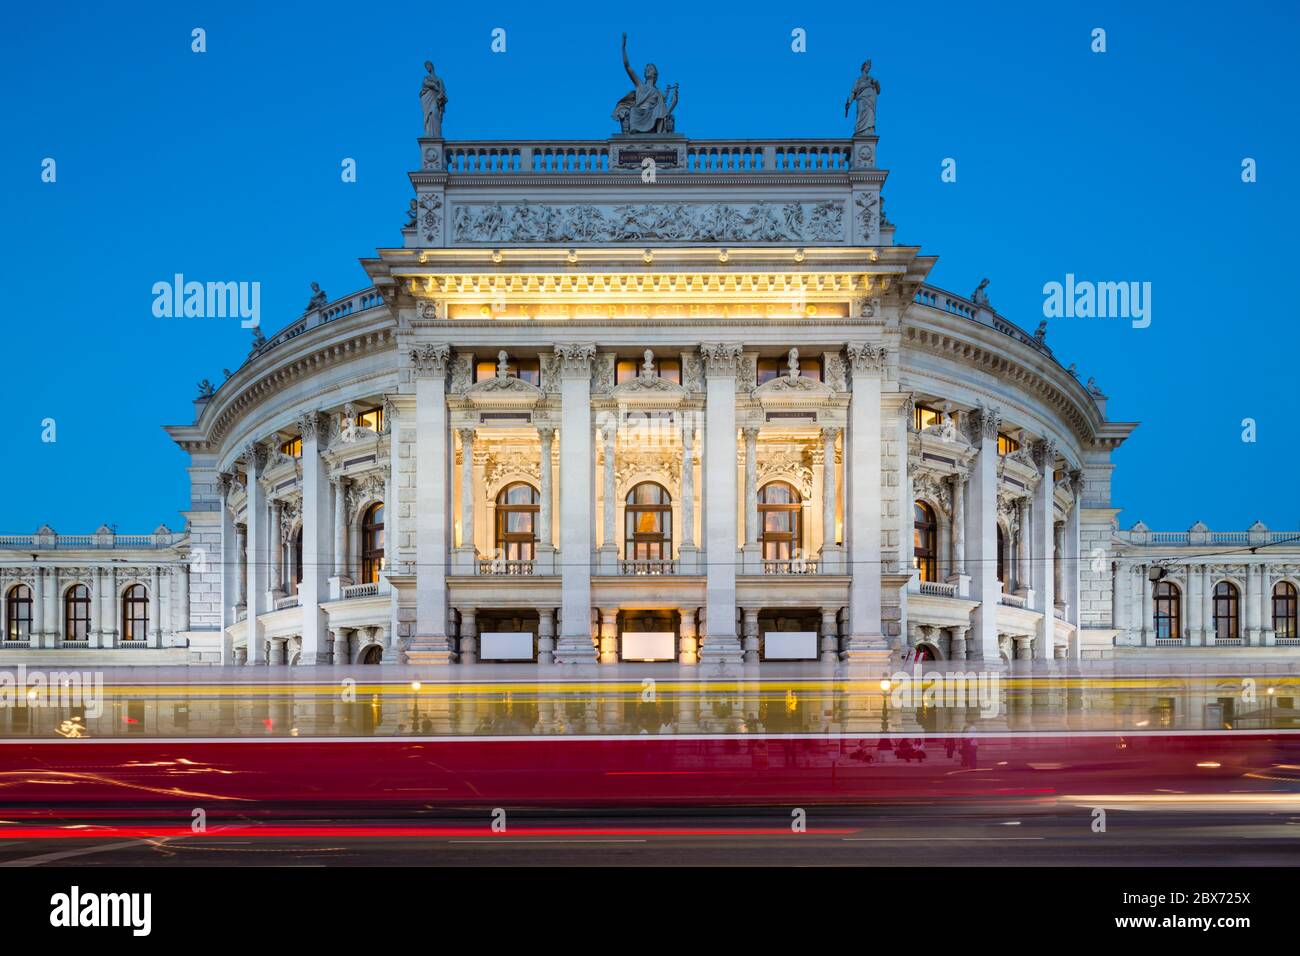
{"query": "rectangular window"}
(292, 448)
(1007, 445)
(925, 416)
(530, 370)
(372, 419)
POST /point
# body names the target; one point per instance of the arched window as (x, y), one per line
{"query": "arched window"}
(517, 507)
(1284, 611)
(925, 534)
(76, 613)
(1166, 604)
(780, 515)
(648, 523)
(135, 613)
(18, 613)
(1225, 611)
(372, 543)
(1002, 557)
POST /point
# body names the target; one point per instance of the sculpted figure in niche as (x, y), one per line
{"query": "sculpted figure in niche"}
(865, 91)
(433, 100)
(647, 109)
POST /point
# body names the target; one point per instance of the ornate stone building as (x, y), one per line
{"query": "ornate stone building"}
(646, 398)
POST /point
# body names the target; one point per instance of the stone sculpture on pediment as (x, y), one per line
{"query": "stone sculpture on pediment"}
(647, 109)
(433, 101)
(865, 90)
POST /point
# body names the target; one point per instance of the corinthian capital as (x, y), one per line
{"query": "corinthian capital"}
(574, 360)
(982, 423)
(313, 425)
(865, 357)
(721, 359)
(430, 361)
(256, 454)
(1044, 453)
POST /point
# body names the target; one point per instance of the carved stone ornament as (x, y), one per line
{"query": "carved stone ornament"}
(635, 465)
(256, 454)
(1044, 453)
(460, 374)
(865, 358)
(982, 423)
(693, 373)
(575, 360)
(363, 490)
(792, 466)
(868, 217)
(933, 488)
(721, 359)
(531, 222)
(430, 217)
(602, 373)
(497, 469)
(313, 425)
(836, 373)
(431, 310)
(430, 360)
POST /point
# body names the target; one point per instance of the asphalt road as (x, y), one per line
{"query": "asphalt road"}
(992, 833)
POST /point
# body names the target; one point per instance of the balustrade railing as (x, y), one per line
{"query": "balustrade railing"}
(648, 566)
(790, 566)
(500, 566)
(937, 588)
(1013, 600)
(68, 542)
(701, 157)
(285, 602)
(369, 589)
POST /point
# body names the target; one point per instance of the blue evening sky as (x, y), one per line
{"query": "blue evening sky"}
(225, 166)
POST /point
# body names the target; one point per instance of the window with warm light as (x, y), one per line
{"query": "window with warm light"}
(18, 613)
(529, 370)
(76, 613)
(1284, 611)
(625, 370)
(372, 543)
(780, 516)
(648, 523)
(1225, 611)
(372, 418)
(1006, 444)
(135, 613)
(770, 368)
(924, 416)
(292, 448)
(518, 505)
(1166, 610)
(925, 534)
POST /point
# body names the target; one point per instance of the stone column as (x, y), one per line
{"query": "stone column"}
(982, 533)
(830, 557)
(576, 497)
(241, 544)
(37, 633)
(1024, 548)
(468, 635)
(544, 536)
(341, 530)
(97, 609)
(687, 552)
(255, 455)
(863, 501)
(546, 635)
(279, 646)
(830, 635)
(1058, 551)
(339, 637)
(608, 535)
(749, 627)
(1071, 563)
(110, 607)
(314, 588)
(958, 643)
(1250, 612)
(1207, 604)
(467, 542)
(751, 487)
(231, 580)
(277, 554)
(1024, 648)
(1044, 542)
(958, 525)
(688, 650)
(430, 643)
(1148, 621)
(155, 607)
(183, 596)
(721, 644)
(609, 635)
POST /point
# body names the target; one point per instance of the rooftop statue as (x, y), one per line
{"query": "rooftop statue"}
(865, 91)
(979, 296)
(318, 299)
(647, 109)
(433, 99)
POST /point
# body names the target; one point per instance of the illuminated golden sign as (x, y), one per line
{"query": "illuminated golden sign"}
(662, 310)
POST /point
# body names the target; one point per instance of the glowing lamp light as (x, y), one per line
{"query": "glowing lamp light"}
(415, 685)
(885, 685)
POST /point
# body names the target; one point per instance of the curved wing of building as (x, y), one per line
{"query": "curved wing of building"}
(647, 398)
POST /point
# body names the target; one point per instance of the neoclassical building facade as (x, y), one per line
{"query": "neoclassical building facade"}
(647, 398)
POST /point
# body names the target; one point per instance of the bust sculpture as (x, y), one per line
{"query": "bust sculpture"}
(433, 100)
(647, 109)
(865, 91)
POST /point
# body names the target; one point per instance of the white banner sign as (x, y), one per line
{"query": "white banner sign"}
(649, 645)
(505, 646)
(790, 645)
